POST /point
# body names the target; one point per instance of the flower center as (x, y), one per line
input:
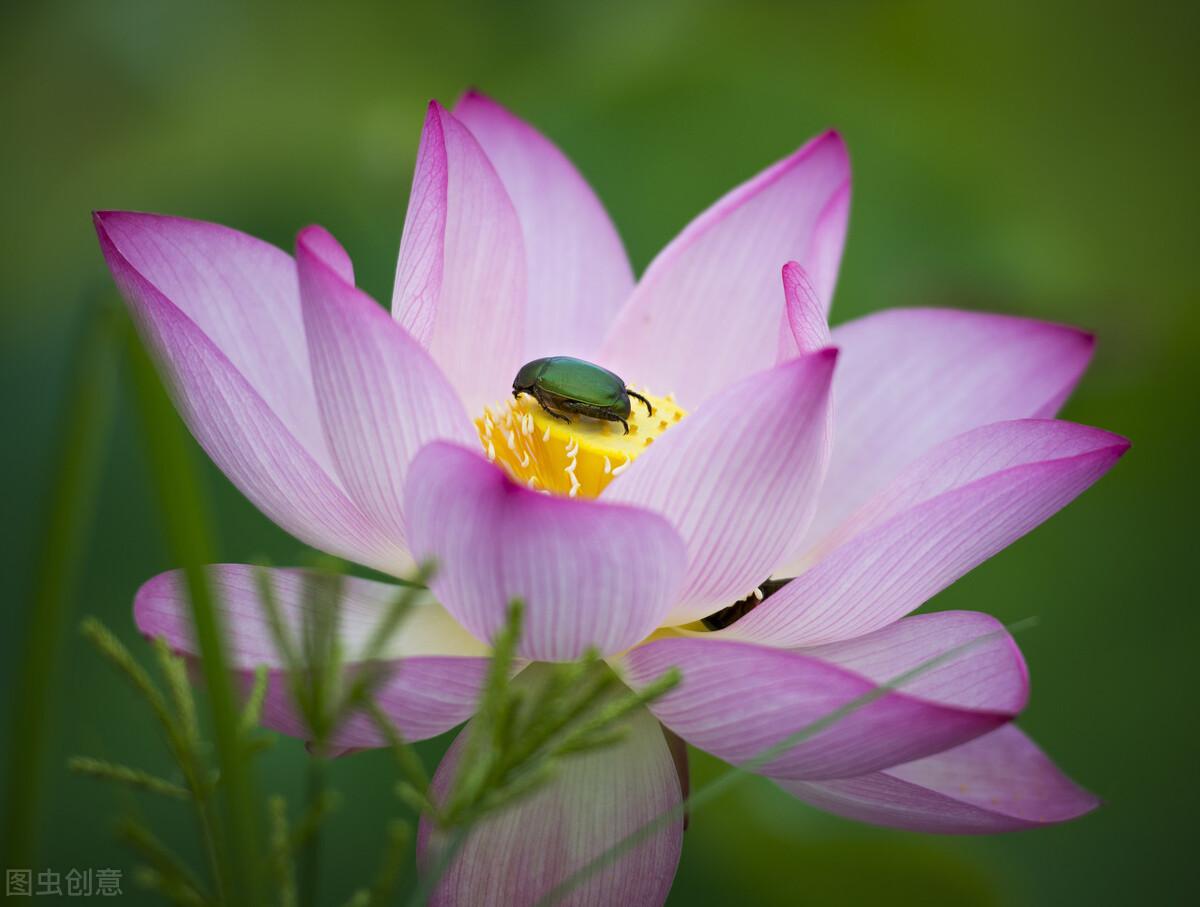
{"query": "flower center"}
(575, 458)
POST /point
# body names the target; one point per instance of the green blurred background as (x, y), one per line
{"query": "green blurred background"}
(1034, 158)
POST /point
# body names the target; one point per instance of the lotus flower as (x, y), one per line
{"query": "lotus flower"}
(876, 464)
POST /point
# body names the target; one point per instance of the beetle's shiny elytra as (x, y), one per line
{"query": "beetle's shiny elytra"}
(565, 387)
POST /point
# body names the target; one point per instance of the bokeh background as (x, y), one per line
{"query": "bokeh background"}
(1025, 157)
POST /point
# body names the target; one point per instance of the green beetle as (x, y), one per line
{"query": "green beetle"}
(565, 386)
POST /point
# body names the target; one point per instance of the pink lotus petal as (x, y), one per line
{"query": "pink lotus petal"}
(998, 782)
(578, 274)
(806, 329)
(460, 280)
(320, 245)
(829, 238)
(240, 292)
(517, 856)
(738, 479)
(438, 667)
(989, 673)
(706, 313)
(962, 502)
(590, 573)
(738, 700)
(911, 378)
(381, 395)
(221, 314)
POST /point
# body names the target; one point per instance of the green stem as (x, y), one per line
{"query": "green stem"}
(311, 859)
(189, 540)
(84, 433)
(204, 816)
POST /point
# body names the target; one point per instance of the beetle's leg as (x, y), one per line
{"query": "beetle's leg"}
(649, 408)
(623, 422)
(542, 403)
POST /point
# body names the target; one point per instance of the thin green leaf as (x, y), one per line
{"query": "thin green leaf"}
(596, 740)
(616, 709)
(417, 800)
(322, 593)
(314, 816)
(280, 852)
(406, 757)
(553, 713)
(184, 747)
(514, 790)
(443, 857)
(160, 857)
(127, 776)
(174, 671)
(252, 710)
(169, 889)
(189, 539)
(118, 656)
(479, 754)
(396, 613)
(83, 428)
(372, 673)
(257, 745)
(306, 838)
(284, 644)
(399, 837)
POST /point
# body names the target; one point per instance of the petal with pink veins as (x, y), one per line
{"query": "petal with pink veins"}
(437, 668)
(516, 857)
(829, 239)
(772, 710)
(706, 312)
(220, 311)
(578, 273)
(806, 328)
(912, 378)
(460, 279)
(240, 292)
(738, 479)
(998, 782)
(590, 573)
(961, 503)
(382, 397)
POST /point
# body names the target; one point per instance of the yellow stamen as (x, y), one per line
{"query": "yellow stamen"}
(576, 459)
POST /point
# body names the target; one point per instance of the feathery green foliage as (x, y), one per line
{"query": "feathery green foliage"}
(168, 873)
(529, 719)
(316, 677)
(280, 851)
(124, 774)
(181, 735)
(521, 731)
